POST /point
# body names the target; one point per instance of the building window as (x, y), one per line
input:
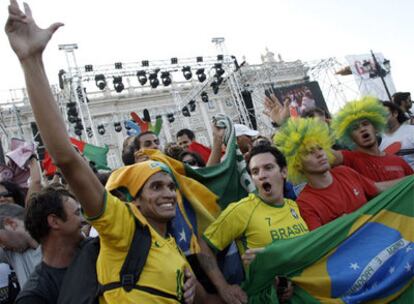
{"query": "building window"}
(211, 105)
(229, 103)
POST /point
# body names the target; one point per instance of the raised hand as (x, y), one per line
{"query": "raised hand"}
(277, 112)
(250, 255)
(189, 286)
(25, 37)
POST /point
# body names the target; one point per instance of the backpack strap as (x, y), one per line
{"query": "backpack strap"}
(134, 261)
(134, 264)
(136, 258)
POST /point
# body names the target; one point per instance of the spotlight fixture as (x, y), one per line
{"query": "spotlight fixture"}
(215, 86)
(118, 127)
(192, 105)
(72, 112)
(170, 117)
(166, 78)
(89, 132)
(100, 81)
(61, 79)
(101, 129)
(118, 85)
(219, 69)
(201, 75)
(153, 79)
(78, 132)
(204, 96)
(78, 127)
(185, 111)
(187, 72)
(142, 77)
(88, 68)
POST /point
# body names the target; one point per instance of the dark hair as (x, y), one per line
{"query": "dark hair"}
(173, 150)
(399, 97)
(314, 111)
(41, 205)
(190, 134)
(15, 191)
(199, 161)
(262, 140)
(137, 144)
(394, 108)
(10, 210)
(128, 151)
(260, 149)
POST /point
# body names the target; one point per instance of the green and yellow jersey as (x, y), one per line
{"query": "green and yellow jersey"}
(254, 224)
(164, 268)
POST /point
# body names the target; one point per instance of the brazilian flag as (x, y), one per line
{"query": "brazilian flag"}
(363, 257)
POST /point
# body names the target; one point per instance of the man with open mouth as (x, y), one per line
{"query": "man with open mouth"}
(329, 193)
(357, 125)
(260, 218)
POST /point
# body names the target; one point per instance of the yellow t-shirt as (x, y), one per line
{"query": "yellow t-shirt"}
(163, 270)
(254, 224)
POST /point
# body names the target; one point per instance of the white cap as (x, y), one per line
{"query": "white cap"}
(244, 130)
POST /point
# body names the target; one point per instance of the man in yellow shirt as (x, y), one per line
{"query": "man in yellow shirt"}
(165, 277)
(259, 219)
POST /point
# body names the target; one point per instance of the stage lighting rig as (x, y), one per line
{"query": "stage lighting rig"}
(219, 69)
(100, 81)
(153, 79)
(170, 117)
(142, 77)
(166, 78)
(118, 85)
(201, 75)
(204, 96)
(192, 105)
(187, 72)
(186, 112)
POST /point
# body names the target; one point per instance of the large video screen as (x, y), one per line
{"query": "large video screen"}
(306, 95)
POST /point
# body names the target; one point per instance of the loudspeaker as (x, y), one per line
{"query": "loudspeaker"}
(248, 102)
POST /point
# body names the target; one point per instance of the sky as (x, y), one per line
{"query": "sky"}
(133, 30)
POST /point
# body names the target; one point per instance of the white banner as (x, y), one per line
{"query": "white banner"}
(367, 76)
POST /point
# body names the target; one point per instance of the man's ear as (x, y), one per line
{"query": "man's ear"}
(53, 221)
(137, 202)
(9, 223)
(284, 172)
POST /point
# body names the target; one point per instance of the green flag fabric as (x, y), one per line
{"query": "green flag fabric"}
(229, 180)
(363, 257)
(97, 155)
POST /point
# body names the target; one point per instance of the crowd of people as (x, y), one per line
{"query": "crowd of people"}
(313, 170)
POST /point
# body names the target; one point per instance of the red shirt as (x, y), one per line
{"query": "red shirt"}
(377, 168)
(348, 191)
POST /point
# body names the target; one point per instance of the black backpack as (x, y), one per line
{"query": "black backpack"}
(80, 284)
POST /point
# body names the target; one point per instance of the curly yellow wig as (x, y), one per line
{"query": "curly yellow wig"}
(298, 136)
(368, 108)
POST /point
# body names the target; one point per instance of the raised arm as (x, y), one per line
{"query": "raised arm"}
(35, 179)
(215, 155)
(28, 41)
